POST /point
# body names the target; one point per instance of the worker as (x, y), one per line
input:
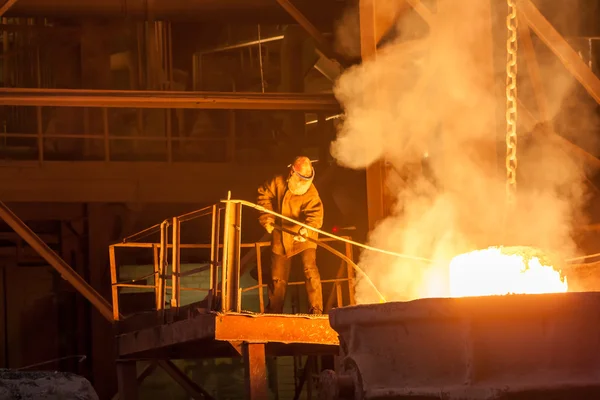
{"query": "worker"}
(294, 196)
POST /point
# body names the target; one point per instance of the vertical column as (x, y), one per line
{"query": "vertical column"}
(73, 315)
(231, 256)
(127, 380)
(101, 222)
(256, 371)
(376, 171)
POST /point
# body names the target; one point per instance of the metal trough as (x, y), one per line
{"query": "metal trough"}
(498, 347)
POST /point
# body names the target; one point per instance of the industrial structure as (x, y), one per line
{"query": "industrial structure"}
(125, 124)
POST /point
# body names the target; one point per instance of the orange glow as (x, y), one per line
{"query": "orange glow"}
(504, 270)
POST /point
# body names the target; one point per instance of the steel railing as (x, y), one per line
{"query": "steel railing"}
(167, 268)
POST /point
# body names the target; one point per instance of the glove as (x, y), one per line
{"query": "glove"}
(270, 228)
(301, 236)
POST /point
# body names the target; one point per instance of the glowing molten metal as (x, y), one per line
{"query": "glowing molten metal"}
(501, 271)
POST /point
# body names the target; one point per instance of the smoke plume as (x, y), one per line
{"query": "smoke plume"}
(435, 101)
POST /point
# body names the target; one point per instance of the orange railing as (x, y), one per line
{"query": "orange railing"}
(167, 268)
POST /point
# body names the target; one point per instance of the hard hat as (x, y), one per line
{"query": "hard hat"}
(301, 175)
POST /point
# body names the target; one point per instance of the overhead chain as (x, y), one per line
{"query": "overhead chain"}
(511, 102)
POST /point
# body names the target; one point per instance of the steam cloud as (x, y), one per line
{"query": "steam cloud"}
(438, 95)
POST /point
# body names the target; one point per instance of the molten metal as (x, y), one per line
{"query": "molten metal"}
(504, 270)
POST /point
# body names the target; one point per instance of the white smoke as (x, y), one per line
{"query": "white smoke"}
(436, 94)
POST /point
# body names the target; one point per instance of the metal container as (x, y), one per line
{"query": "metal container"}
(497, 347)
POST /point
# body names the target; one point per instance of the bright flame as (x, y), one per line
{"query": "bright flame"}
(501, 271)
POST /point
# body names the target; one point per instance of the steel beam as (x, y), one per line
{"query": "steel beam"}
(290, 329)
(560, 47)
(534, 70)
(6, 6)
(422, 10)
(589, 159)
(251, 11)
(542, 103)
(190, 387)
(256, 371)
(56, 262)
(167, 99)
(322, 44)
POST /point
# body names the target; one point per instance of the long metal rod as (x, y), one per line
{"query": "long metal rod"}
(241, 45)
(325, 233)
(167, 99)
(101, 304)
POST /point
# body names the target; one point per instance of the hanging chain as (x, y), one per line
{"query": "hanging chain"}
(511, 102)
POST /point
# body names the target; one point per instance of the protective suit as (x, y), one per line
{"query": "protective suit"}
(296, 197)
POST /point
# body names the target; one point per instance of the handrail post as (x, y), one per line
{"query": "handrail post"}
(351, 277)
(160, 301)
(175, 265)
(214, 256)
(113, 282)
(231, 256)
(261, 300)
(157, 274)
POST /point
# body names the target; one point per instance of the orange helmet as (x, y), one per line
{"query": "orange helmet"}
(301, 176)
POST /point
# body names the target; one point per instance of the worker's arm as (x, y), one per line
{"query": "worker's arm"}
(313, 212)
(266, 196)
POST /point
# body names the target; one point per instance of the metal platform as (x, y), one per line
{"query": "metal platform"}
(221, 333)
(217, 326)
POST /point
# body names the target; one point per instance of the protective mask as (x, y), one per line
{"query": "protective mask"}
(299, 184)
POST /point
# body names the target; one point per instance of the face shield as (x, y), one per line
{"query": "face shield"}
(301, 176)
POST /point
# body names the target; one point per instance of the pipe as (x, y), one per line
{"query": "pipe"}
(174, 10)
(168, 99)
(101, 304)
